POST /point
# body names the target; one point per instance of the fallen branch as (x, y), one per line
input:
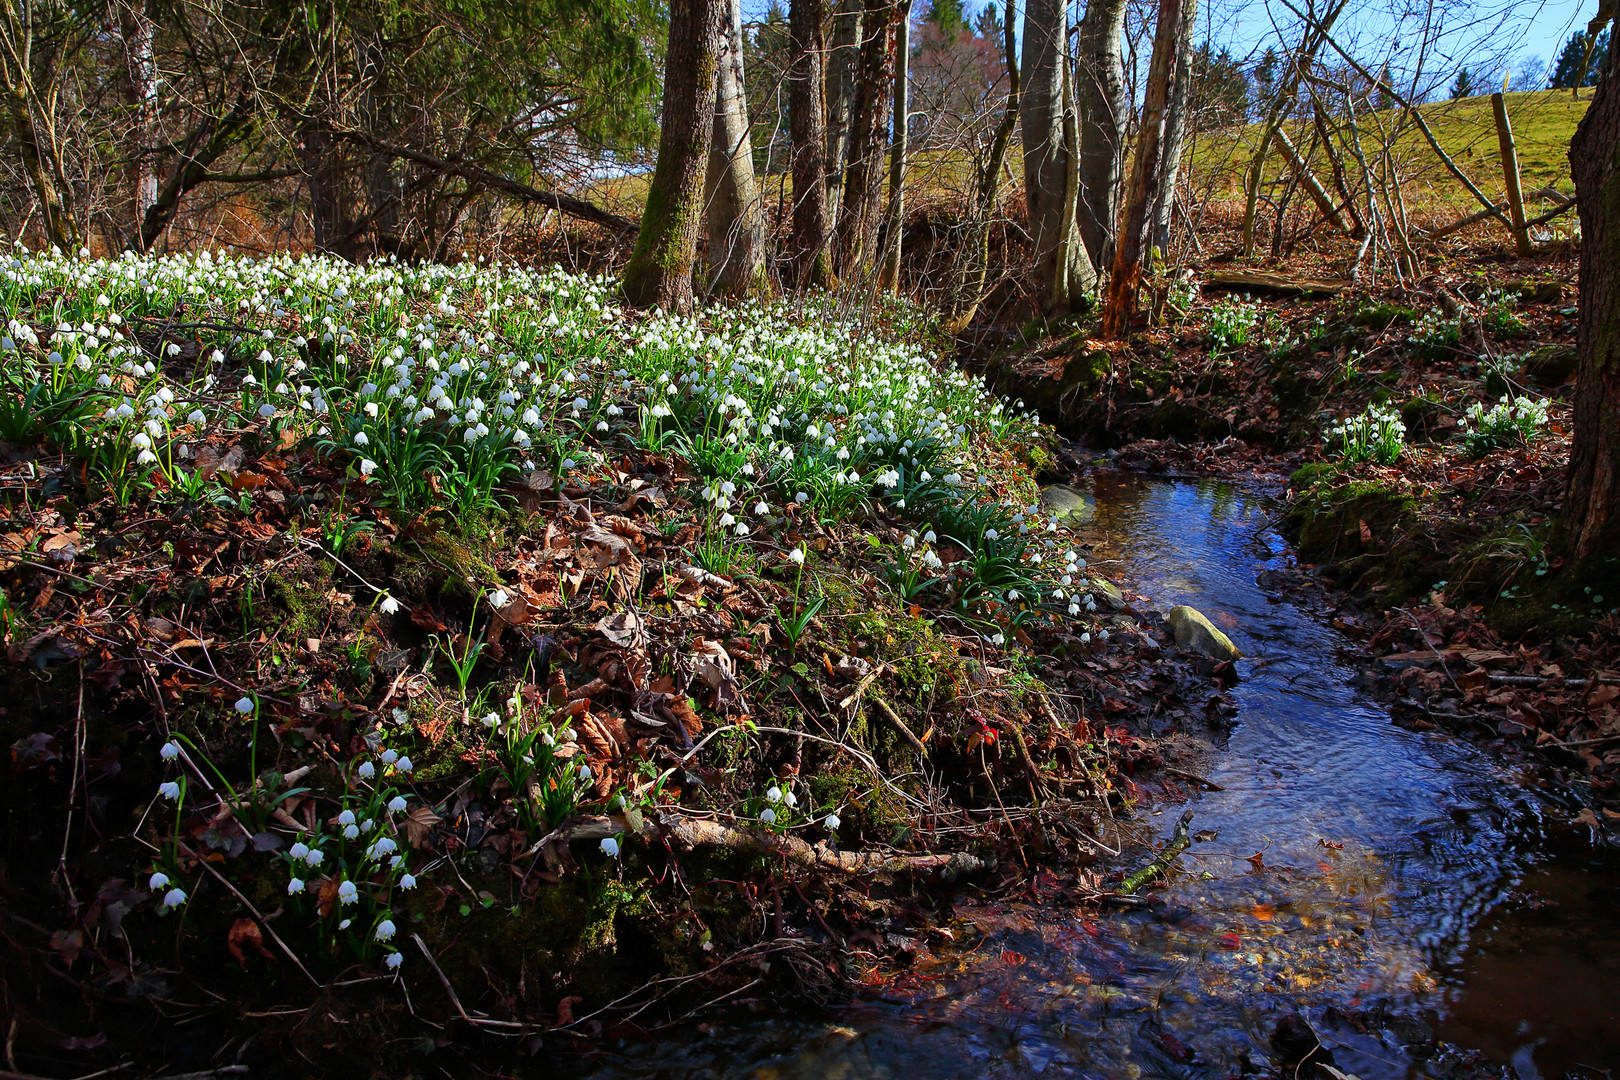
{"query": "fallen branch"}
(690, 832)
(1180, 841)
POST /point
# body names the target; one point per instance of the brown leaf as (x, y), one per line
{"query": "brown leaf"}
(245, 934)
(419, 823)
(427, 619)
(328, 896)
(624, 628)
(565, 1010)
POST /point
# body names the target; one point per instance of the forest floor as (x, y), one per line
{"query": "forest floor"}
(1420, 433)
(447, 657)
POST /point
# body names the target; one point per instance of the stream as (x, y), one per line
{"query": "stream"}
(1407, 905)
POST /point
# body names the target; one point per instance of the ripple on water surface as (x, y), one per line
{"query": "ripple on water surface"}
(1395, 869)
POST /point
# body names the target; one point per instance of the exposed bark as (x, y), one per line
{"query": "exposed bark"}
(973, 254)
(323, 180)
(861, 215)
(1592, 504)
(1302, 171)
(843, 64)
(1103, 109)
(810, 245)
(894, 217)
(694, 832)
(25, 95)
(566, 204)
(1042, 107)
(731, 199)
(1146, 173)
(660, 269)
(202, 149)
(143, 94)
(1176, 123)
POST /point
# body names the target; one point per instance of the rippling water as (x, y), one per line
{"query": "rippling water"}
(1395, 869)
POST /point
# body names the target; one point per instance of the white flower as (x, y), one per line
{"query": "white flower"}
(389, 605)
(351, 832)
(298, 850)
(367, 466)
(389, 756)
(385, 930)
(361, 438)
(366, 770)
(774, 794)
(267, 410)
(169, 789)
(158, 881)
(797, 555)
(831, 822)
(348, 893)
(315, 857)
(383, 846)
(396, 804)
(346, 818)
(767, 815)
(498, 599)
(169, 750)
(610, 847)
(295, 886)
(394, 960)
(174, 898)
(408, 881)
(244, 705)
(403, 764)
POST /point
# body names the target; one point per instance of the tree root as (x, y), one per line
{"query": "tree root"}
(690, 832)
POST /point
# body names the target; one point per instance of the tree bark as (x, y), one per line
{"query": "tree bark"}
(810, 245)
(973, 256)
(143, 93)
(1592, 503)
(1103, 107)
(37, 149)
(843, 64)
(660, 269)
(1042, 107)
(1176, 123)
(735, 223)
(895, 216)
(1146, 173)
(861, 215)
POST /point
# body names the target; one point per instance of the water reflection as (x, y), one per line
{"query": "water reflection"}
(1379, 853)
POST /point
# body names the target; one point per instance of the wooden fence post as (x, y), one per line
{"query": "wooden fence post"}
(1510, 173)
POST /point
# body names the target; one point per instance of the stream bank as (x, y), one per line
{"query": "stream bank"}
(1400, 896)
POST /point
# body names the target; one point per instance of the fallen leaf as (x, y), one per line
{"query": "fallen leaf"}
(245, 934)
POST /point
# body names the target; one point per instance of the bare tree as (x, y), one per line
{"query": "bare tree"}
(861, 215)
(1044, 111)
(736, 224)
(810, 243)
(660, 269)
(843, 63)
(894, 218)
(1104, 108)
(1147, 172)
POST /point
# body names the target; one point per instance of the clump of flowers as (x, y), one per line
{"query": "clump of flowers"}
(1231, 323)
(1376, 435)
(1509, 422)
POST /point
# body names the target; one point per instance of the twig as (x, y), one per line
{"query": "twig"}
(258, 915)
(477, 1021)
(1180, 841)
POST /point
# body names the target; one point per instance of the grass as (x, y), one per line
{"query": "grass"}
(1543, 123)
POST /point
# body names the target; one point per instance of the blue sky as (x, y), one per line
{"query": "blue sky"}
(1489, 34)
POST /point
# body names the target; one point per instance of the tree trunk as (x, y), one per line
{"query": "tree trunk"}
(38, 150)
(1103, 106)
(1146, 173)
(660, 269)
(1176, 123)
(1042, 104)
(1592, 504)
(736, 227)
(143, 93)
(973, 255)
(843, 62)
(323, 176)
(811, 243)
(895, 217)
(861, 215)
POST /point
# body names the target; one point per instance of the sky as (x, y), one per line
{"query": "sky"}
(1492, 34)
